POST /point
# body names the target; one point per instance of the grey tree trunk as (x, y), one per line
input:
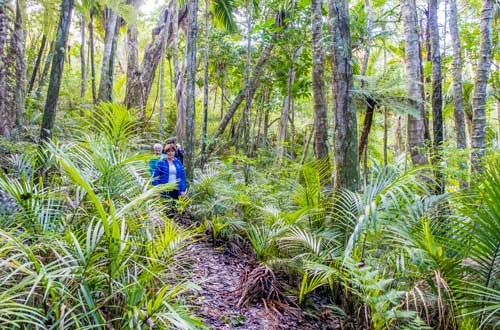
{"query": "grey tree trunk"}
(190, 88)
(205, 86)
(480, 83)
(162, 90)
(437, 94)
(458, 110)
(7, 119)
(19, 47)
(415, 123)
(248, 102)
(133, 87)
(82, 57)
(106, 84)
(57, 70)
(180, 96)
(45, 71)
(92, 56)
(37, 63)
(318, 82)
(346, 166)
(287, 105)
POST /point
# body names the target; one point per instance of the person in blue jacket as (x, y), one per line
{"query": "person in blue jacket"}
(153, 162)
(171, 170)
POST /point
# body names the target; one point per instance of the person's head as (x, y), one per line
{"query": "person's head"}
(157, 148)
(171, 140)
(170, 150)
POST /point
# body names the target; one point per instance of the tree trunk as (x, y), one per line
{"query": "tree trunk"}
(57, 70)
(367, 126)
(111, 30)
(7, 120)
(480, 83)
(45, 71)
(162, 90)
(180, 96)
(205, 86)
(318, 82)
(346, 169)
(37, 63)
(287, 102)
(82, 57)
(248, 102)
(415, 128)
(190, 88)
(385, 136)
(437, 95)
(92, 56)
(133, 88)
(19, 45)
(458, 111)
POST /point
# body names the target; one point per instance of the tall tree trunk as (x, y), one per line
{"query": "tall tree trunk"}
(111, 30)
(82, 57)
(19, 45)
(180, 96)
(57, 70)
(133, 87)
(162, 89)
(346, 166)
(480, 83)
(367, 126)
(318, 82)
(437, 94)
(385, 136)
(287, 102)
(458, 111)
(248, 102)
(92, 53)
(175, 38)
(7, 120)
(190, 88)
(37, 63)
(415, 128)
(45, 71)
(205, 86)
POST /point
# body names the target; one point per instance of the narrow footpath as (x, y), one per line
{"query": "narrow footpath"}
(218, 274)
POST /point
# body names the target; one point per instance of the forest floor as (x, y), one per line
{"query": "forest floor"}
(219, 274)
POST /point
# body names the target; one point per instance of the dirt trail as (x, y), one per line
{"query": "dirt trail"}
(218, 274)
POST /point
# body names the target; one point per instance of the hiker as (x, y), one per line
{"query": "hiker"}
(179, 152)
(153, 162)
(171, 170)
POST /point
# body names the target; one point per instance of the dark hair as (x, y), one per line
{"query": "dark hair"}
(169, 146)
(171, 141)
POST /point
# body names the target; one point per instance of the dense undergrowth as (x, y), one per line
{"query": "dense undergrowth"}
(85, 242)
(394, 256)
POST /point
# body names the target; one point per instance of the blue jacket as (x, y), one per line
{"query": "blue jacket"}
(160, 174)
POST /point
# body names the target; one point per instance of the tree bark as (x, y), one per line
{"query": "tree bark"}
(162, 91)
(437, 94)
(205, 86)
(287, 102)
(92, 56)
(248, 102)
(180, 96)
(318, 82)
(45, 71)
(190, 88)
(82, 57)
(458, 110)
(346, 169)
(7, 120)
(57, 70)
(480, 83)
(37, 63)
(133, 87)
(106, 84)
(19, 45)
(367, 126)
(415, 126)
